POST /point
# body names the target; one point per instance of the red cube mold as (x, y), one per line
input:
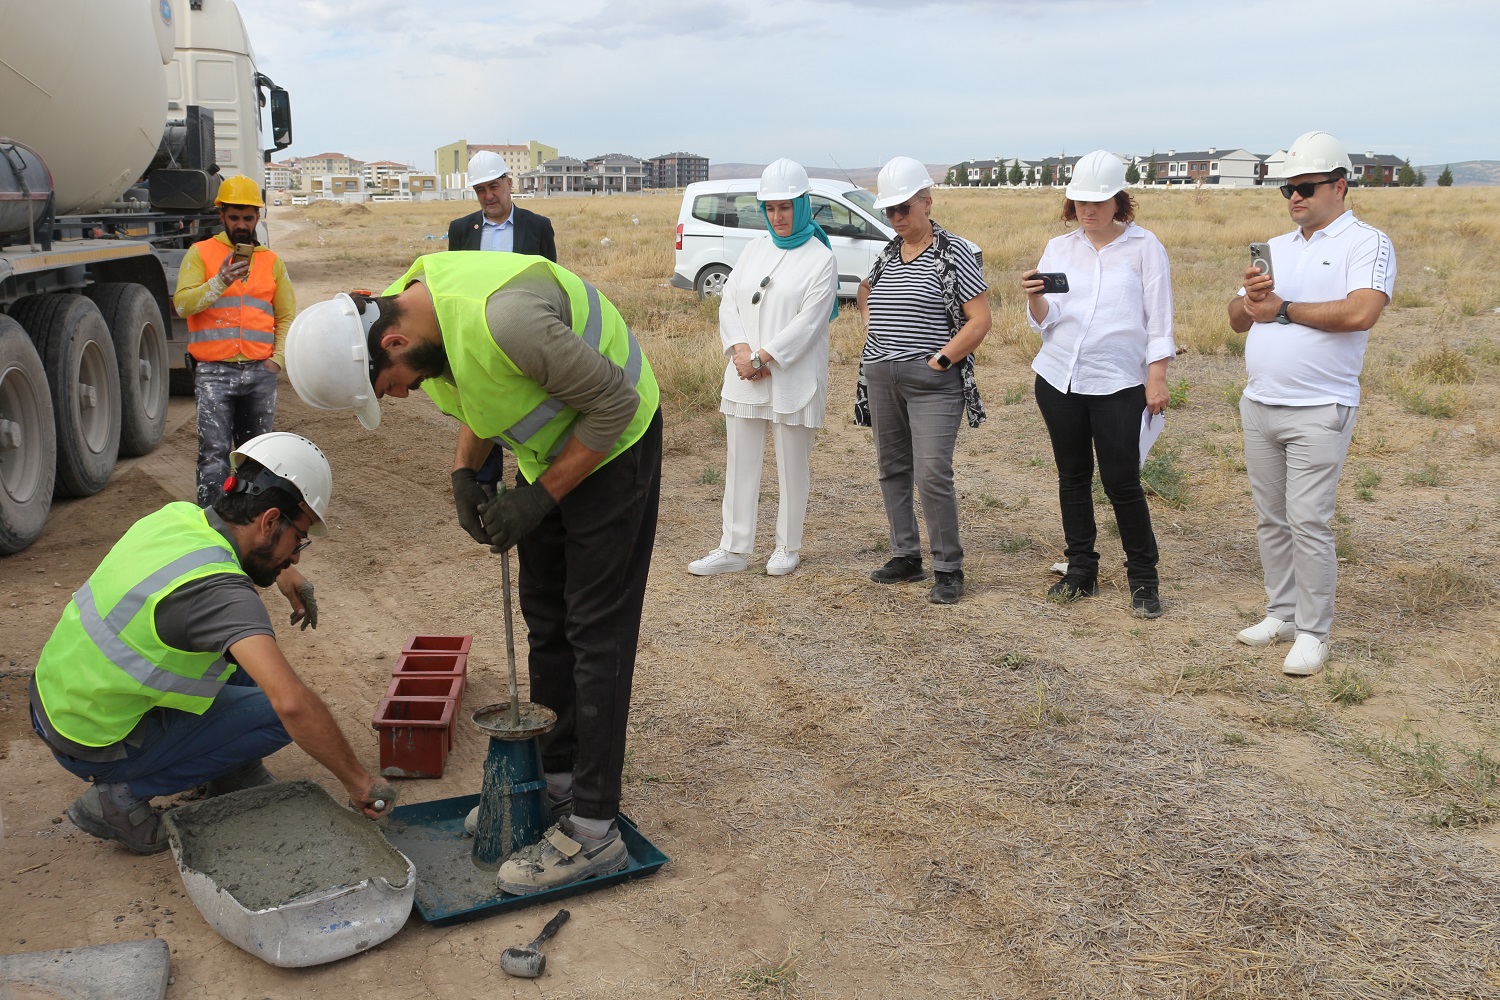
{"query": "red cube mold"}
(439, 644)
(410, 664)
(430, 686)
(415, 735)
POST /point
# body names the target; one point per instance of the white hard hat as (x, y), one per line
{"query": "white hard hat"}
(298, 461)
(1098, 176)
(782, 181)
(328, 359)
(899, 180)
(1314, 153)
(486, 166)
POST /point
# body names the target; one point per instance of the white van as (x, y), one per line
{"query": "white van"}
(720, 218)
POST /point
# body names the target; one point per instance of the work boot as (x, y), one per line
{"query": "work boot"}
(900, 569)
(111, 812)
(1073, 587)
(562, 858)
(1145, 602)
(251, 775)
(949, 587)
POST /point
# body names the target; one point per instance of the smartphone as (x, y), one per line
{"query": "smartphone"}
(1260, 258)
(243, 251)
(1052, 281)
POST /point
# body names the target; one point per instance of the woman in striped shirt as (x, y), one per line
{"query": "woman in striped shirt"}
(925, 314)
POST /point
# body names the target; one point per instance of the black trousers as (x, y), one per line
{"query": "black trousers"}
(1081, 426)
(582, 586)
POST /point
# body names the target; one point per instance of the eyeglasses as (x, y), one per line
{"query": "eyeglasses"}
(900, 210)
(303, 540)
(1306, 189)
(755, 299)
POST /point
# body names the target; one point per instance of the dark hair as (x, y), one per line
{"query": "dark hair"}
(1124, 208)
(244, 507)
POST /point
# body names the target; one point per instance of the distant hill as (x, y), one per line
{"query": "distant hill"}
(1466, 174)
(863, 176)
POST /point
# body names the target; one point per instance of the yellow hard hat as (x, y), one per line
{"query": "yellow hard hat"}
(239, 190)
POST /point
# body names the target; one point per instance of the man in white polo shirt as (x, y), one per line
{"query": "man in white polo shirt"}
(1308, 322)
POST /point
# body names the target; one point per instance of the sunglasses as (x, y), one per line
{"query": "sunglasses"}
(898, 211)
(755, 299)
(1306, 189)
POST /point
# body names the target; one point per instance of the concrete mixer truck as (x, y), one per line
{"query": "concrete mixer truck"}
(118, 119)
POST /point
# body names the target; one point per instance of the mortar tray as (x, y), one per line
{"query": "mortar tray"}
(450, 889)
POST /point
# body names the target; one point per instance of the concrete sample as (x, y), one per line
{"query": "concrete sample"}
(128, 970)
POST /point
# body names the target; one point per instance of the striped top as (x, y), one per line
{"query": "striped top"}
(908, 319)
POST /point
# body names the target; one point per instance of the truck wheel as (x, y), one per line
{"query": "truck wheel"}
(710, 283)
(79, 359)
(28, 445)
(141, 350)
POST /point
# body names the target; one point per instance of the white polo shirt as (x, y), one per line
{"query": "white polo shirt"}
(1295, 365)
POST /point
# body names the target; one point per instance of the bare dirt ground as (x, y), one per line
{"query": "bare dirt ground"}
(865, 795)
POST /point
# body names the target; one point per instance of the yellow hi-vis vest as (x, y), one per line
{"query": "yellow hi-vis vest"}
(104, 666)
(484, 388)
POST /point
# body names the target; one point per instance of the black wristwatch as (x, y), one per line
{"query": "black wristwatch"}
(1281, 316)
(943, 362)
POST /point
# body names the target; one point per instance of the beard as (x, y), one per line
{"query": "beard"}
(259, 567)
(428, 360)
(241, 235)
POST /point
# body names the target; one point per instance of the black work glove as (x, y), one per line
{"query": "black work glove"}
(514, 514)
(309, 613)
(469, 499)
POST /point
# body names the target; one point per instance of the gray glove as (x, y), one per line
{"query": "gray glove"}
(514, 514)
(309, 613)
(469, 498)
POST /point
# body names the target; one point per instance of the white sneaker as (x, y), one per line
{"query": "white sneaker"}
(717, 561)
(1267, 631)
(782, 562)
(1307, 656)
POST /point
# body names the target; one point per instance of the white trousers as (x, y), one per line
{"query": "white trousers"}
(1295, 455)
(747, 450)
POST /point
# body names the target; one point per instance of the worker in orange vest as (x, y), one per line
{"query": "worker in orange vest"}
(238, 303)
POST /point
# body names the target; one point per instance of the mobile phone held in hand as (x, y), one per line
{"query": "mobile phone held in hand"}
(1052, 281)
(243, 251)
(1260, 258)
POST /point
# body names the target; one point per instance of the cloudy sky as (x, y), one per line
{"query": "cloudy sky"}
(859, 81)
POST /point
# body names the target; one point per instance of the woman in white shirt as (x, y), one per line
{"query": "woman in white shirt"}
(1103, 363)
(773, 324)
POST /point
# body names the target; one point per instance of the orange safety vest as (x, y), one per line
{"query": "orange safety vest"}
(242, 320)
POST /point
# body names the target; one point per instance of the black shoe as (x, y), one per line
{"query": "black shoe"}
(1072, 588)
(1145, 602)
(900, 569)
(949, 587)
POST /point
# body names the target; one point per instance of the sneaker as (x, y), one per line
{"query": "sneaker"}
(782, 562)
(137, 825)
(557, 807)
(1145, 602)
(1307, 656)
(717, 561)
(949, 587)
(900, 569)
(1072, 588)
(251, 775)
(1267, 631)
(558, 860)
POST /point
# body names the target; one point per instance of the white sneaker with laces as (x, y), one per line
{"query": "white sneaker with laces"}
(1307, 656)
(782, 562)
(1267, 631)
(717, 561)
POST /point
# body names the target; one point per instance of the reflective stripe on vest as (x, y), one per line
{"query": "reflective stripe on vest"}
(239, 332)
(105, 632)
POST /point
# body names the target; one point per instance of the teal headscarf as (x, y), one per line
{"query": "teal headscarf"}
(803, 229)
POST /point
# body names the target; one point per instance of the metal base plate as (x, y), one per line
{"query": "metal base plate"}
(451, 889)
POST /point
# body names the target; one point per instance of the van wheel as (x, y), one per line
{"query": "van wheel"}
(710, 283)
(141, 350)
(28, 442)
(79, 359)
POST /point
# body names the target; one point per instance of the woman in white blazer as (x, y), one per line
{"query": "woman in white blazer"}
(773, 324)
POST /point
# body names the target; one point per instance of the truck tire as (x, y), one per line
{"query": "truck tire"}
(140, 341)
(79, 358)
(28, 443)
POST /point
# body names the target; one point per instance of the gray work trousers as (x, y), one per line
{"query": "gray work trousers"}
(236, 401)
(1294, 456)
(915, 412)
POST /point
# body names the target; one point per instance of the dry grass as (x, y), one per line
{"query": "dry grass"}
(1014, 799)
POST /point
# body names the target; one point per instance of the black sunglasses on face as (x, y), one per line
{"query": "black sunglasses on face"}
(1305, 189)
(898, 210)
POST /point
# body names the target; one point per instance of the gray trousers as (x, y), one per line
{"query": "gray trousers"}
(1294, 456)
(236, 401)
(915, 412)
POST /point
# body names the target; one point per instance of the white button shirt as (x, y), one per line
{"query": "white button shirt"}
(498, 235)
(1116, 318)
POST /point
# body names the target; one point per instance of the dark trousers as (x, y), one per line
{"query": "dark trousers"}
(1081, 426)
(236, 402)
(582, 585)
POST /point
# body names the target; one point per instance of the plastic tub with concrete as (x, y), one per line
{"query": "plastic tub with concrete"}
(290, 875)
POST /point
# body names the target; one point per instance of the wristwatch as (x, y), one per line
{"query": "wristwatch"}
(1281, 316)
(943, 362)
(756, 362)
